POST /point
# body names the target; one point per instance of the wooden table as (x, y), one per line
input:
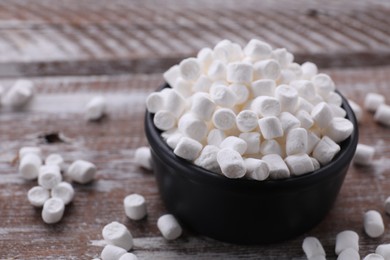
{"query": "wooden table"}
(74, 50)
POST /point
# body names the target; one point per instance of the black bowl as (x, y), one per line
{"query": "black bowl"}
(245, 211)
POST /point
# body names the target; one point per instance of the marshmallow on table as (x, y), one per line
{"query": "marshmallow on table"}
(37, 196)
(309, 69)
(224, 119)
(135, 206)
(247, 120)
(256, 169)
(190, 69)
(143, 157)
(239, 72)
(241, 91)
(252, 140)
(231, 163)
(347, 239)
(266, 69)
(56, 159)
(191, 126)
(188, 148)
(202, 84)
(356, 109)
(263, 87)
(373, 257)
(296, 141)
(19, 94)
(29, 149)
(348, 254)
(235, 143)
(325, 150)
(287, 96)
(164, 120)
(171, 75)
(383, 250)
(53, 210)
(277, 167)
(257, 50)
(222, 95)
(117, 234)
(339, 129)
(288, 121)
(270, 147)
(270, 127)
(364, 154)
(29, 166)
(208, 159)
(95, 108)
(312, 247)
(111, 252)
(266, 106)
(128, 256)
(169, 227)
(49, 176)
(382, 115)
(324, 84)
(202, 106)
(322, 114)
(64, 191)
(305, 119)
(372, 101)
(373, 224)
(299, 164)
(82, 171)
(217, 70)
(216, 136)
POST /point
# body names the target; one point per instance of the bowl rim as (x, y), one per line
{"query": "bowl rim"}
(197, 173)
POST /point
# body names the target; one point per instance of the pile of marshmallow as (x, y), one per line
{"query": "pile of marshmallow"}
(250, 112)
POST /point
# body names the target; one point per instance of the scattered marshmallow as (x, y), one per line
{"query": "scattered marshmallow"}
(37, 196)
(312, 247)
(364, 155)
(383, 250)
(49, 176)
(111, 252)
(373, 257)
(135, 206)
(55, 159)
(64, 191)
(95, 108)
(256, 169)
(188, 148)
(29, 166)
(373, 224)
(382, 115)
(231, 163)
(53, 210)
(277, 167)
(347, 239)
(82, 171)
(128, 256)
(189, 69)
(339, 129)
(325, 150)
(270, 127)
(299, 164)
(235, 143)
(169, 227)
(117, 234)
(372, 101)
(349, 254)
(143, 157)
(30, 149)
(19, 94)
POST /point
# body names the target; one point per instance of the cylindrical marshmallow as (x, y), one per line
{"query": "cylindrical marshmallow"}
(169, 227)
(241, 91)
(29, 149)
(247, 120)
(82, 171)
(29, 166)
(270, 127)
(266, 69)
(239, 72)
(373, 224)
(288, 121)
(312, 141)
(174, 102)
(348, 254)
(299, 164)
(202, 84)
(312, 247)
(316, 163)
(322, 114)
(135, 206)
(252, 140)
(143, 157)
(64, 191)
(256, 169)
(188, 148)
(155, 102)
(263, 87)
(95, 108)
(231, 163)
(296, 69)
(224, 119)
(372, 101)
(286, 76)
(55, 159)
(208, 159)
(53, 210)
(117, 234)
(309, 69)
(257, 50)
(190, 69)
(323, 84)
(226, 51)
(234, 143)
(305, 119)
(364, 154)
(217, 71)
(296, 141)
(334, 99)
(192, 127)
(173, 139)
(305, 88)
(373, 257)
(356, 109)
(283, 57)
(111, 252)
(37, 196)
(347, 239)
(202, 106)
(325, 150)
(222, 95)
(171, 75)
(277, 167)
(303, 104)
(266, 106)
(270, 147)
(19, 94)
(205, 57)
(183, 87)
(287, 96)
(164, 120)
(128, 256)
(382, 115)
(49, 176)
(215, 137)
(383, 250)
(339, 129)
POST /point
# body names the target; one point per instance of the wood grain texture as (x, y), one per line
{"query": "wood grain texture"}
(110, 144)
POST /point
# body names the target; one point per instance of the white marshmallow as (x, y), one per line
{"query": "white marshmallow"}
(296, 69)
(348, 254)
(237, 144)
(325, 150)
(263, 87)
(305, 119)
(277, 167)
(215, 137)
(241, 92)
(256, 169)
(296, 141)
(111, 252)
(174, 138)
(322, 114)
(95, 108)
(283, 57)
(252, 140)
(37, 196)
(56, 159)
(312, 247)
(202, 84)
(64, 191)
(117, 234)
(164, 120)
(270, 127)
(383, 250)
(49, 176)
(143, 157)
(217, 70)
(286, 76)
(334, 99)
(19, 94)
(304, 88)
(82, 171)
(226, 51)
(347, 239)
(270, 147)
(29, 166)
(309, 69)
(315, 100)
(373, 224)
(135, 206)
(316, 163)
(224, 119)
(324, 84)
(239, 72)
(339, 129)
(30, 149)
(202, 106)
(193, 127)
(53, 210)
(222, 95)
(205, 57)
(190, 69)
(171, 75)
(382, 115)
(183, 87)
(305, 105)
(372, 101)
(208, 159)
(174, 102)
(169, 227)
(188, 148)
(312, 141)
(266, 69)
(128, 256)
(247, 120)
(387, 205)
(257, 50)
(266, 106)
(155, 102)
(373, 257)
(356, 109)
(299, 164)
(337, 111)
(231, 163)
(288, 121)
